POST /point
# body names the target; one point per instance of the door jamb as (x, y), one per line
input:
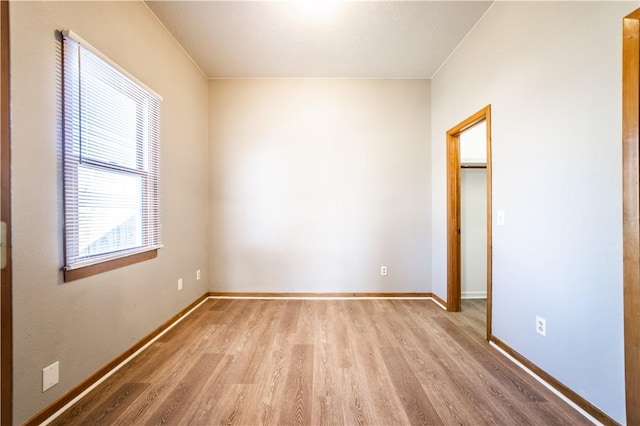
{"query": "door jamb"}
(630, 213)
(453, 212)
(6, 330)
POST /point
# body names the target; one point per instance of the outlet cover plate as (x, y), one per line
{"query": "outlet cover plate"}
(541, 326)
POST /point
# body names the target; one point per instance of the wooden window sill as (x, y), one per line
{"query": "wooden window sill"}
(108, 265)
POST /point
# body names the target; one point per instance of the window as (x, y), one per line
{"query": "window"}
(110, 156)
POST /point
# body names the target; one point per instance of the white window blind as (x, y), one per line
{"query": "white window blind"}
(111, 159)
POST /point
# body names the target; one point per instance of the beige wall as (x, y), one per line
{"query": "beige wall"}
(84, 324)
(315, 184)
(312, 185)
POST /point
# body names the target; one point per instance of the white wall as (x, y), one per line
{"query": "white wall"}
(473, 233)
(551, 71)
(473, 144)
(315, 184)
(84, 324)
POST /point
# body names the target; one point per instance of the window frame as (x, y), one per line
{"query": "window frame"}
(147, 115)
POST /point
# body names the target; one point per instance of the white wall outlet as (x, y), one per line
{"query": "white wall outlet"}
(198, 275)
(500, 217)
(180, 284)
(541, 326)
(50, 376)
(383, 270)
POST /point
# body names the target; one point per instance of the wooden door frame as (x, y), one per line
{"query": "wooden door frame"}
(6, 331)
(630, 213)
(454, 290)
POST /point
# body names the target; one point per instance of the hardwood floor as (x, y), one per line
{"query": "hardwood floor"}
(239, 361)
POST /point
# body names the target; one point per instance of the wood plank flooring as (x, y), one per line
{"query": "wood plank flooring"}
(334, 362)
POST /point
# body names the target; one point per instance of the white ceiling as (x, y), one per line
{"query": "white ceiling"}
(319, 38)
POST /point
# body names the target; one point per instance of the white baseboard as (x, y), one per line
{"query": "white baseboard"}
(474, 294)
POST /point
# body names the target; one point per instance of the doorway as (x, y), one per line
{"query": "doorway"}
(478, 159)
(473, 212)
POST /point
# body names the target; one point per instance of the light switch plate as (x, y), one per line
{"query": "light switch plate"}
(50, 376)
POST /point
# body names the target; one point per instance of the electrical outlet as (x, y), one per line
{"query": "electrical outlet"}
(180, 284)
(198, 275)
(541, 326)
(383, 270)
(50, 376)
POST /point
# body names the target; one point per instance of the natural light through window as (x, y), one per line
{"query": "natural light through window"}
(111, 143)
(109, 211)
